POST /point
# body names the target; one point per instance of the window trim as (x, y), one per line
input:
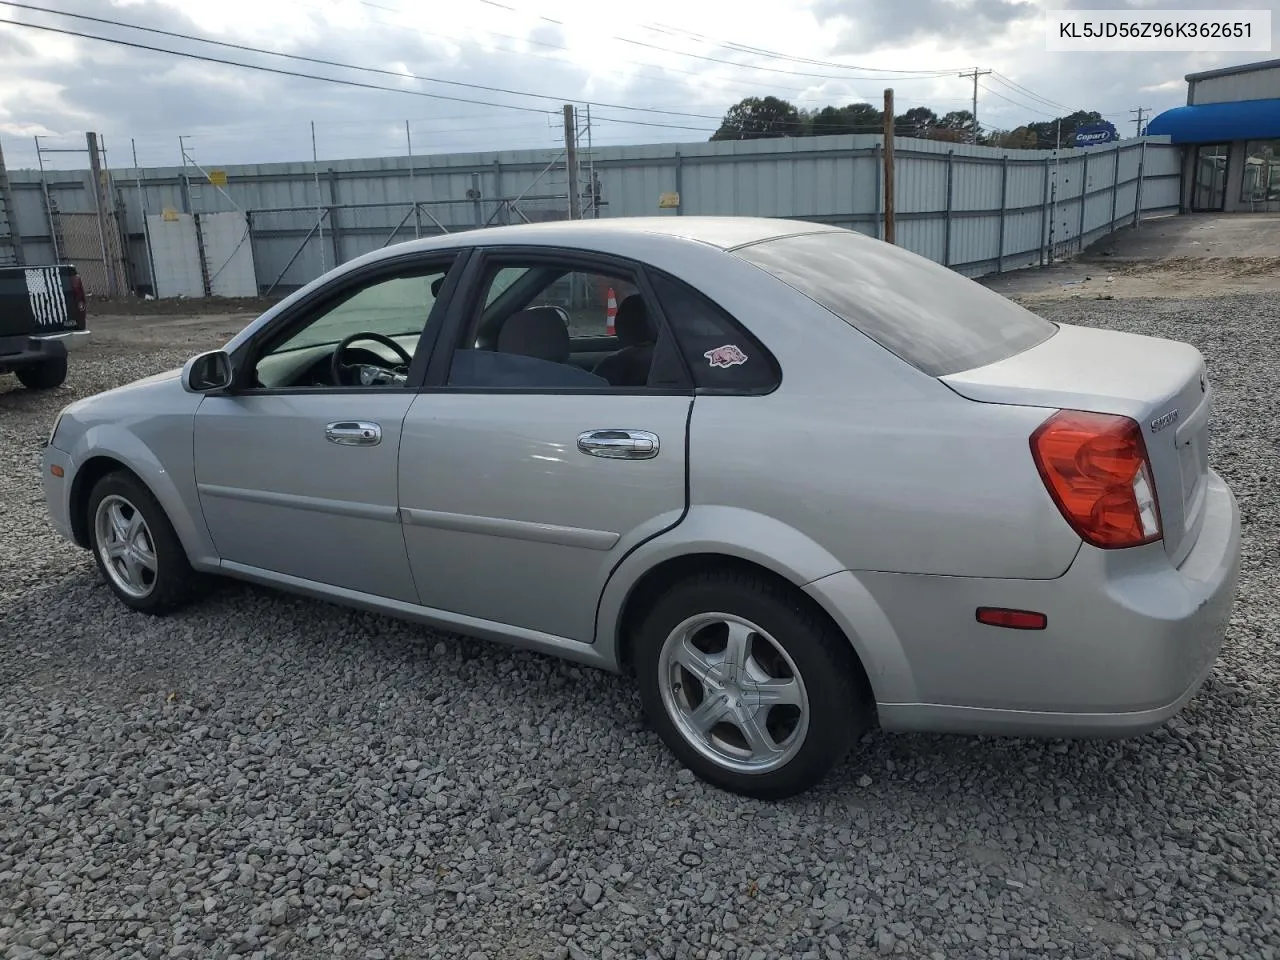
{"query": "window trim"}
(470, 296)
(326, 296)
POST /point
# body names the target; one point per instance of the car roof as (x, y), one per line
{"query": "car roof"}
(725, 233)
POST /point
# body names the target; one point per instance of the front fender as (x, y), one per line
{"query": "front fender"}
(172, 486)
(785, 551)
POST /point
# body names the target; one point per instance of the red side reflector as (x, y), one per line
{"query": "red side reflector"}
(56, 470)
(1014, 619)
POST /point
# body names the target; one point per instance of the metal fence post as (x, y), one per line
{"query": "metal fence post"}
(946, 222)
(333, 216)
(475, 200)
(497, 190)
(1084, 198)
(1137, 193)
(1045, 215)
(679, 184)
(1004, 204)
(1115, 188)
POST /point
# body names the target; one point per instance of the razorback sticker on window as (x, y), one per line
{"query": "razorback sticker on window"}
(727, 356)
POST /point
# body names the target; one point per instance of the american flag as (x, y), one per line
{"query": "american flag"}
(44, 291)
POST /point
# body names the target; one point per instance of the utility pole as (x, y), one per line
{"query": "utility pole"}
(571, 160)
(975, 73)
(315, 170)
(888, 166)
(1138, 119)
(100, 205)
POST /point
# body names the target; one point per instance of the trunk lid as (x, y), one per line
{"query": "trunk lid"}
(1161, 384)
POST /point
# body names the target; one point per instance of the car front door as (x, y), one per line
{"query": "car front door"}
(296, 464)
(525, 478)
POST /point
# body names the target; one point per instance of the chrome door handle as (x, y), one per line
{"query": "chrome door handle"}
(619, 444)
(354, 433)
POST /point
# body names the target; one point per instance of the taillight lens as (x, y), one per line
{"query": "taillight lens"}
(1096, 468)
(77, 294)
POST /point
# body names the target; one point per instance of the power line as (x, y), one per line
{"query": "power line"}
(757, 51)
(332, 63)
(749, 66)
(340, 81)
(1002, 79)
(775, 55)
(663, 68)
(265, 69)
(1036, 110)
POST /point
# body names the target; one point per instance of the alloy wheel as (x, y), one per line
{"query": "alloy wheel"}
(125, 546)
(734, 692)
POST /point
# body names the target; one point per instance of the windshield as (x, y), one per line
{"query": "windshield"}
(929, 315)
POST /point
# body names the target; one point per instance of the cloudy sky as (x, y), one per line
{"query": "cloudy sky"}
(654, 71)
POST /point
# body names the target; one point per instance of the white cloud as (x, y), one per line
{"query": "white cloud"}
(661, 54)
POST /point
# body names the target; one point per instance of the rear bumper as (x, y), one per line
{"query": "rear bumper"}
(1130, 639)
(21, 351)
(70, 339)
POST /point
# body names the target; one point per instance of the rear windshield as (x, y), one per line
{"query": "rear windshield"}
(927, 314)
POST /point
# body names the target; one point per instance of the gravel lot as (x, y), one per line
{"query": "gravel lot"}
(269, 776)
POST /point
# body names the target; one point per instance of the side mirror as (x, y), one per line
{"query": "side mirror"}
(207, 372)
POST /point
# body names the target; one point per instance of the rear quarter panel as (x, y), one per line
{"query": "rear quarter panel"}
(880, 465)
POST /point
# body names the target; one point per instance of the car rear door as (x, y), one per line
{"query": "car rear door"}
(523, 479)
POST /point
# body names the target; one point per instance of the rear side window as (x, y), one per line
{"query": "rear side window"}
(927, 314)
(718, 351)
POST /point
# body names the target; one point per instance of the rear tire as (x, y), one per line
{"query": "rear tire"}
(135, 546)
(44, 375)
(750, 688)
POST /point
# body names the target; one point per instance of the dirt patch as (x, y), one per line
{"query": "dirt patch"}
(1177, 277)
(178, 306)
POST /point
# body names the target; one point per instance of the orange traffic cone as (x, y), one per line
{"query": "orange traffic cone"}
(610, 313)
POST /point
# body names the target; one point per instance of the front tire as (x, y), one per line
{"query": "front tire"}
(749, 686)
(44, 375)
(135, 546)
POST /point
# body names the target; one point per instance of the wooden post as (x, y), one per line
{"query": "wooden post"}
(888, 166)
(100, 207)
(571, 160)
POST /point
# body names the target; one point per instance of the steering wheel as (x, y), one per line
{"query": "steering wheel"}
(364, 373)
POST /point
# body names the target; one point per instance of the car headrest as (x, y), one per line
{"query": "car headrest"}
(631, 322)
(537, 332)
(436, 284)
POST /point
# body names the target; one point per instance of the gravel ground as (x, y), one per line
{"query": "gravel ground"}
(268, 776)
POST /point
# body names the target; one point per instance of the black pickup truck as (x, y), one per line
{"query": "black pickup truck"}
(42, 314)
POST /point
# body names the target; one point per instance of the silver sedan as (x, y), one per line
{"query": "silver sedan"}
(795, 481)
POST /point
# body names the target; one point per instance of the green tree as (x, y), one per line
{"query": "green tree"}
(854, 118)
(1048, 131)
(916, 122)
(755, 118)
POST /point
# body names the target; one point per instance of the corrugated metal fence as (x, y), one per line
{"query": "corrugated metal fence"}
(976, 209)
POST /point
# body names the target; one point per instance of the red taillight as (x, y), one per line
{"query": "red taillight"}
(77, 294)
(1095, 467)
(1014, 619)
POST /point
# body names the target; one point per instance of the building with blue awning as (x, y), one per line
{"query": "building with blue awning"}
(1230, 129)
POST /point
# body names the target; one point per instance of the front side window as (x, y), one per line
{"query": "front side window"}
(1261, 180)
(932, 317)
(377, 326)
